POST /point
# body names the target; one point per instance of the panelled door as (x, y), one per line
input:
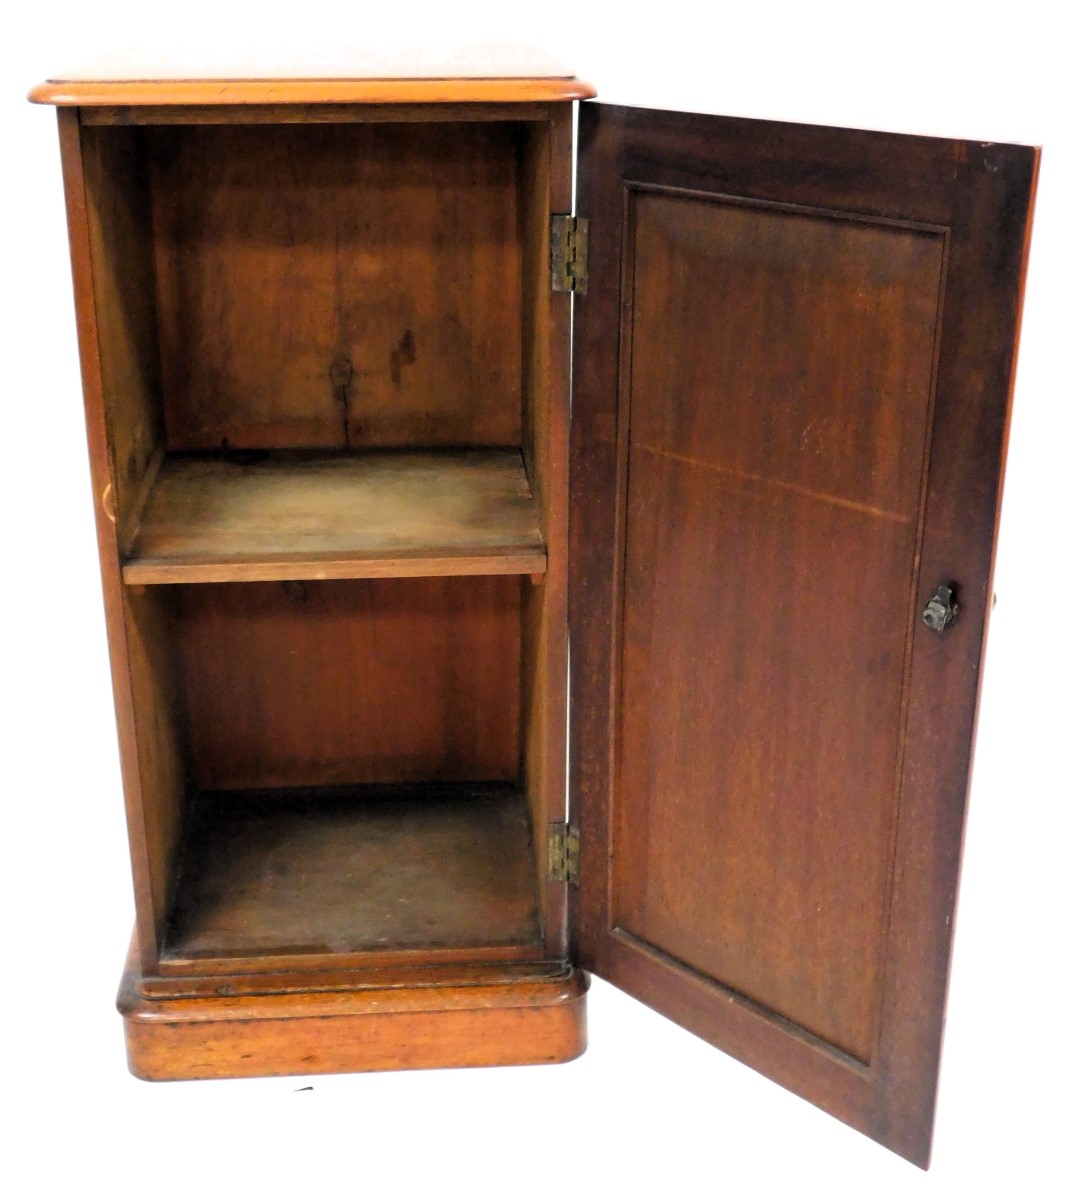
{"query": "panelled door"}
(792, 368)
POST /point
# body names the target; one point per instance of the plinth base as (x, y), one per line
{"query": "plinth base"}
(504, 1023)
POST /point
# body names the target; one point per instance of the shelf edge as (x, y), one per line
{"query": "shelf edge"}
(149, 572)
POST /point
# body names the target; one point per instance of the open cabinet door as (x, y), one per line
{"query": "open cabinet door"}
(792, 369)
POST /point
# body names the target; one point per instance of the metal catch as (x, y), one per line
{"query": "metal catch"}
(940, 610)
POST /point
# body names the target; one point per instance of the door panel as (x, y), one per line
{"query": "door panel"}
(792, 369)
(746, 516)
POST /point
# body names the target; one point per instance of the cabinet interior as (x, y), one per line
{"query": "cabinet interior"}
(324, 349)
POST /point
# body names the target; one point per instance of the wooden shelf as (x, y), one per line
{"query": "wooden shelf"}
(317, 516)
(374, 867)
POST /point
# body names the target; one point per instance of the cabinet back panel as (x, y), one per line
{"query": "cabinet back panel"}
(774, 487)
(352, 682)
(387, 256)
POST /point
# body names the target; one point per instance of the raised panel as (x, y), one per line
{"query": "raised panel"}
(815, 369)
(773, 492)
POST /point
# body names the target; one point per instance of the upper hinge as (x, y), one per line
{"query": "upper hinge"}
(564, 851)
(570, 254)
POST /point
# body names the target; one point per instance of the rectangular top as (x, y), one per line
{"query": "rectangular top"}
(486, 74)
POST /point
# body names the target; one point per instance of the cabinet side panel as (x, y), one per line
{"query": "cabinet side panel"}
(545, 183)
(119, 221)
(109, 224)
(160, 733)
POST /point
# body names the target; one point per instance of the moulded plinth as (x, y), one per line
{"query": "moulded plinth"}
(528, 1020)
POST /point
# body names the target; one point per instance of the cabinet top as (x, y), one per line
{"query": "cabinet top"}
(492, 74)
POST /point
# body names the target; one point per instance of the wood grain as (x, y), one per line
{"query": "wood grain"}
(117, 205)
(118, 212)
(993, 207)
(769, 754)
(817, 382)
(352, 682)
(546, 188)
(251, 114)
(241, 92)
(327, 269)
(162, 755)
(119, 380)
(345, 285)
(255, 975)
(773, 467)
(317, 517)
(361, 869)
(497, 1023)
(352, 75)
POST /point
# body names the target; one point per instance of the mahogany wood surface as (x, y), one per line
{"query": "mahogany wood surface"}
(342, 75)
(255, 975)
(775, 723)
(351, 682)
(532, 1019)
(318, 516)
(118, 212)
(252, 114)
(162, 757)
(357, 869)
(792, 373)
(106, 212)
(238, 92)
(793, 368)
(338, 286)
(283, 252)
(315, 968)
(545, 185)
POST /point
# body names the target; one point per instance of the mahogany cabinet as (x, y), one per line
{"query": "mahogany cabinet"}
(369, 587)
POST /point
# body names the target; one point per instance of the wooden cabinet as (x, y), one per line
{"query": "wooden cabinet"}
(356, 557)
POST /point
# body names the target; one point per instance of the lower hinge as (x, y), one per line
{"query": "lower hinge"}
(570, 254)
(564, 847)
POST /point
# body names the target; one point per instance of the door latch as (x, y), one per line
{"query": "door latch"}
(940, 610)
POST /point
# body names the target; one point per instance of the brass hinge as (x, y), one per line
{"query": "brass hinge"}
(570, 254)
(564, 846)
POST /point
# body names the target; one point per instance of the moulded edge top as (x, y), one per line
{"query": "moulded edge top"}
(480, 75)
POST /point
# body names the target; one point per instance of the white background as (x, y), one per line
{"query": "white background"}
(648, 1107)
